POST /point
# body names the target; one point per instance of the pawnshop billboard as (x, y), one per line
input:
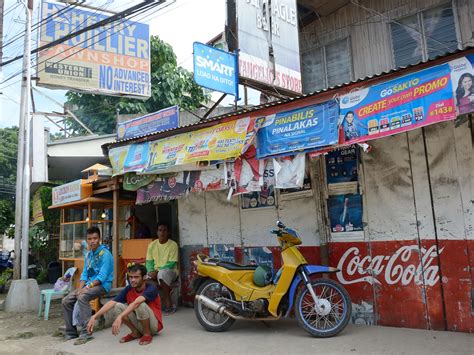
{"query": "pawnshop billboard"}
(256, 36)
(112, 59)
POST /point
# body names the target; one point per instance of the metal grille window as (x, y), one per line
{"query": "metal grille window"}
(326, 66)
(423, 36)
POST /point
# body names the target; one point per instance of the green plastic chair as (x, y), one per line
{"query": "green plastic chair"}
(51, 294)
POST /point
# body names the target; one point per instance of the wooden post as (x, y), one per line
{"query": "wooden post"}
(115, 230)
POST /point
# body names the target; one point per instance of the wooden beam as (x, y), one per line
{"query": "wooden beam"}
(115, 234)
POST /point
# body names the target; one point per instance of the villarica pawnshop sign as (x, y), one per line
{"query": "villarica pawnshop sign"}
(113, 59)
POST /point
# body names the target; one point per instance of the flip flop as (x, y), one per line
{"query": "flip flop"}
(128, 337)
(145, 340)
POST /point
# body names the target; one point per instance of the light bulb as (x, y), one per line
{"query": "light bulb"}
(103, 215)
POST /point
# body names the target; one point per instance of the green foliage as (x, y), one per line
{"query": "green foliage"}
(42, 277)
(7, 215)
(38, 238)
(5, 276)
(8, 156)
(170, 85)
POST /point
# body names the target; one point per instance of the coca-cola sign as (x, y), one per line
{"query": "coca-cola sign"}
(398, 268)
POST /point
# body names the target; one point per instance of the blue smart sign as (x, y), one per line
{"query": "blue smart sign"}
(215, 69)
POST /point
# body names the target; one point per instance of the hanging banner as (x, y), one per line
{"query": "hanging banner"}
(219, 142)
(117, 158)
(399, 105)
(462, 79)
(166, 153)
(37, 209)
(298, 130)
(216, 69)
(165, 188)
(289, 171)
(162, 120)
(132, 181)
(113, 59)
(137, 157)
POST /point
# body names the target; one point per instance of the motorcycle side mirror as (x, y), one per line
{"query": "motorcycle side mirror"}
(280, 224)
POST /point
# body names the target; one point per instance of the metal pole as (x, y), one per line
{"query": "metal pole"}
(24, 108)
(25, 100)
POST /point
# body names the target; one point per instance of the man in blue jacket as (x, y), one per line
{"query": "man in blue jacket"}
(96, 279)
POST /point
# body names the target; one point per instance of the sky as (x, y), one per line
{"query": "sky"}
(179, 24)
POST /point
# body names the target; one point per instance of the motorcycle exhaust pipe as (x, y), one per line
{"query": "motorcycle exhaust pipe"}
(221, 309)
(212, 305)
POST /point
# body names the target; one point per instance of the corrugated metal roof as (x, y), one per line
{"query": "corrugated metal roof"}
(204, 122)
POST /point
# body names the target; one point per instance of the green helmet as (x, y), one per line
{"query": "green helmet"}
(262, 276)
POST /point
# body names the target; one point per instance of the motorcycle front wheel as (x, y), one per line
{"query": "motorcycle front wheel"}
(210, 320)
(332, 313)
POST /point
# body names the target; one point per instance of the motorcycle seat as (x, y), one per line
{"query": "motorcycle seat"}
(233, 266)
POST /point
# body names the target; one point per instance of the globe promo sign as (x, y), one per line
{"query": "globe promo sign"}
(215, 69)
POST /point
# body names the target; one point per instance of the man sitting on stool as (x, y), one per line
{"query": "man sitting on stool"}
(161, 263)
(138, 306)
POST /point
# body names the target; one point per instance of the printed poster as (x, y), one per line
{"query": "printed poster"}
(223, 252)
(341, 170)
(462, 79)
(166, 153)
(164, 188)
(219, 142)
(137, 157)
(345, 213)
(117, 158)
(303, 129)
(399, 105)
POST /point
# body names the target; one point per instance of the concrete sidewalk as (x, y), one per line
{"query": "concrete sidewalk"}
(184, 335)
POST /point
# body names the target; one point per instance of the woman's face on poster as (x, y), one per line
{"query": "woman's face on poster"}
(466, 83)
(349, 117)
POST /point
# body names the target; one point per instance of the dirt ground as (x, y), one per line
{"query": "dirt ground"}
(26, 333)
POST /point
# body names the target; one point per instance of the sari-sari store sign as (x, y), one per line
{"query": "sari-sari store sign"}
(399, 105)
(67, 193)
(219, 142)
(113, 59)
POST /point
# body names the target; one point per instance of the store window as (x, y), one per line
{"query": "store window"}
(327, 66)
(423, 36)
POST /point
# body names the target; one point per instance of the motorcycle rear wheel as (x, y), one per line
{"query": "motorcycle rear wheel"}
(210, 320)
(333, 314)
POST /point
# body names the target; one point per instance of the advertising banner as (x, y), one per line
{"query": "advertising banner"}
(215, 69)
(303, 129)
(205, 180)
(219, 142)
(113, 59)
(137, 157)
(166, 153)
(162, 120)
(399, 105)
(258, 29)
(117, 158)
(37, 209)
(462, 78)
(341, 170)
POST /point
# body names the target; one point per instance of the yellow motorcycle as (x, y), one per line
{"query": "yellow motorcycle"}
(227, 291)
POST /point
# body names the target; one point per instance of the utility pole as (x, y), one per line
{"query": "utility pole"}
(22, 206)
